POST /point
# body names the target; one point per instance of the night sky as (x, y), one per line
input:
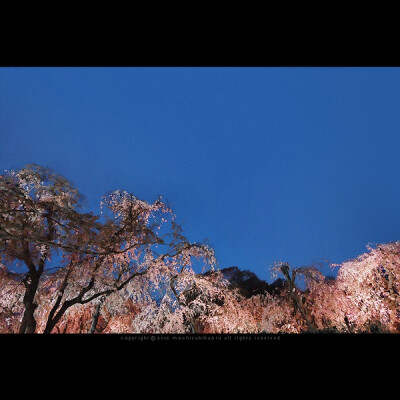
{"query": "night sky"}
(268, 164)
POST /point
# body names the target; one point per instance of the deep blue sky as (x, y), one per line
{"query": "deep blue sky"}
(268, 164)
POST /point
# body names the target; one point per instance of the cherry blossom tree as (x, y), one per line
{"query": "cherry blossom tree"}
(38, 215)
(200, 303)
(370, 287)
(40, 219)
(364, 297)
(293, 292)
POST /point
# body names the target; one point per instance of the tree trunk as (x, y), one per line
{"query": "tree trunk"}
(296, 299)
(52, 322)
(96, 316)
(28, 324)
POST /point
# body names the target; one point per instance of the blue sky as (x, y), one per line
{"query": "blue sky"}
(268, 164)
